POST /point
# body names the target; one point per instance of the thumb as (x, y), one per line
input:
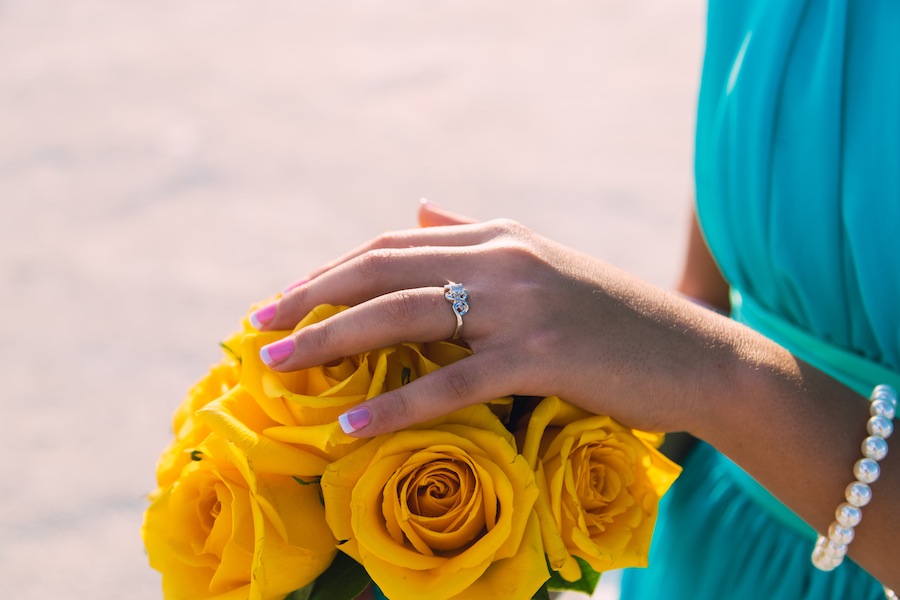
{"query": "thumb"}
(431, 215)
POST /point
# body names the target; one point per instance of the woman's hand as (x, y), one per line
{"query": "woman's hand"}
(544, 320)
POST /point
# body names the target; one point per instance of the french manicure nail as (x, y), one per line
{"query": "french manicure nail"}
(355, 419)
(296, 284)
(276, 352)
(264, 315)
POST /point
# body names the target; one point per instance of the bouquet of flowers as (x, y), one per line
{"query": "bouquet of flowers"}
(261, 495)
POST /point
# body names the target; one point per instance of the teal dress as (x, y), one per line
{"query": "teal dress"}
(798, 195)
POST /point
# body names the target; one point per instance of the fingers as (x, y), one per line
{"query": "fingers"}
(463, 383)
(431, 215)
(414, 315)
(449, 235)
(368, 276)
(402, 259)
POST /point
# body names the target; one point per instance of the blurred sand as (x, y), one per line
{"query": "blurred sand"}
(164, 164)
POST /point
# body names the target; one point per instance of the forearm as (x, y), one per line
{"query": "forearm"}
(798, 432)
(702, 283)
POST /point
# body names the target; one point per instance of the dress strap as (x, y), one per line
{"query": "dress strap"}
(857, 372)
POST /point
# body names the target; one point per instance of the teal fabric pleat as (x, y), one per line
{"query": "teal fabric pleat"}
(798, 163)
(798, 193)
(713, 541)
(377, 593)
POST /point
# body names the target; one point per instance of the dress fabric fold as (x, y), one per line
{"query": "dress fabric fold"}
(798, 194)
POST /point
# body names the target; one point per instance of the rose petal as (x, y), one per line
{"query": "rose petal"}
(518, 576)
(222, 531)
(599, 492)
(407, 542)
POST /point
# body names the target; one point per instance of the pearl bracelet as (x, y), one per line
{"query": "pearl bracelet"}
(830, 551)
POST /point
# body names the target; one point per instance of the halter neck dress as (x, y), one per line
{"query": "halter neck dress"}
(798, 194)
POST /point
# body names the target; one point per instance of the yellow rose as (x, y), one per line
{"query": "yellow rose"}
(223, 531)
(305, 404)
(600, 485)
(189, 433)
(443, 510)
(237, 417)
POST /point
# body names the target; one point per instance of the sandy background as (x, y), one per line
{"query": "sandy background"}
(164, 164)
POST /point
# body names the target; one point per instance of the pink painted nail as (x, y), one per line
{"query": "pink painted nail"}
(276, 352)
(264, 315)
(296, 284)
(355, 419)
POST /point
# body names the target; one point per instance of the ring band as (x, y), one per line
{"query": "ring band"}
(457, 296)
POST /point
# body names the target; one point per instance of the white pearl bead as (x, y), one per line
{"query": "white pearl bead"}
(840, 535)
(874, 447)
(833, 549)
(848, 515)
(827, 555)
(866, 470)
(884, 389)
(880, 426)
(823, 562)
(858, 494)
(885, 392)
(882, 408)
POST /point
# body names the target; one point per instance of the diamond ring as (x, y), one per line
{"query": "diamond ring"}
(457, 295)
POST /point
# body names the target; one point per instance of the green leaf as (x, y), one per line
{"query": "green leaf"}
(588, 582)
(233, 354)
(315, 481)
(304, 482)
(301, 594)
(542, 594)
(345, 579)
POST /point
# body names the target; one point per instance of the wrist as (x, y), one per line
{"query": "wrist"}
(743, 372)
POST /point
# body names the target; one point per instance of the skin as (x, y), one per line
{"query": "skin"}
(546, 319)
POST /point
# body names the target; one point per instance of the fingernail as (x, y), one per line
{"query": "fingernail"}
(296, 284)
(276, 352)
(264, 315)
(355, 419)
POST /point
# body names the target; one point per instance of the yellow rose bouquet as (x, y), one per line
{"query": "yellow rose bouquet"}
(261, 495)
